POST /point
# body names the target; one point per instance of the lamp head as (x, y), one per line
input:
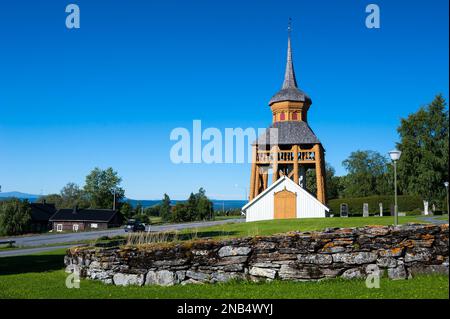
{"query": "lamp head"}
(395, 155)
(446, 184)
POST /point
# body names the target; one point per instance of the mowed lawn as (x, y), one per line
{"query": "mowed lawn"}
(281, 226)
(43, 276)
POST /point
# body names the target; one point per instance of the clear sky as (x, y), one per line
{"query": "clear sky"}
(109, 93)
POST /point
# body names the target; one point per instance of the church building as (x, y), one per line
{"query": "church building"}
(286, 151)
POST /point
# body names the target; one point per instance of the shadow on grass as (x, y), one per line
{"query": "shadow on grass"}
(31, 263)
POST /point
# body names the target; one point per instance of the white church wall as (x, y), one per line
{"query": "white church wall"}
(262, 207)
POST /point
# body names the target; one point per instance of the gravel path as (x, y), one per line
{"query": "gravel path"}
(433, 220)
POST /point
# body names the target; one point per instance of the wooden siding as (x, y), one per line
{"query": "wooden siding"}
(262, 207)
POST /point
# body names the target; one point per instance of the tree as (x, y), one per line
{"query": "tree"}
(153, 210)
(180, 212)
(367, 174)
(15, 217)
(190, 213)
(334, 186)
(126, 210)
(197, 207)
(100, 186)
(72, 195)
(141, 214)
(423, 166)
(52, 198)
(165, 209)
(138, 209)
(205, 208)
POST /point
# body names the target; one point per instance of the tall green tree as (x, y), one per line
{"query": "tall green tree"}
(423, 166)
(368, 174)
(72, 195)
(165, 209)
(205, 208)
(15, 217)
(100, 186)
(191, 208)
(199, 207)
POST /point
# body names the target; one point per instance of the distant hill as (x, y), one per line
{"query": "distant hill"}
(218, 204)
(19, 195)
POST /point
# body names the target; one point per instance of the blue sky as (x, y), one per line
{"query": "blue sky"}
(109, 93)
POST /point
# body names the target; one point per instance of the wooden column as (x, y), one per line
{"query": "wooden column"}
(253, 173)
(265, 178)
(324, 176)
(275, 163)
(295, 150)
(320, 171)
(257, 180)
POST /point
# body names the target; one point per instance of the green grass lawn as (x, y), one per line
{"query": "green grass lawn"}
(223, 217)
(7, 247)
(281, 226)
(265, 228)
(155, 220)
(42, 276)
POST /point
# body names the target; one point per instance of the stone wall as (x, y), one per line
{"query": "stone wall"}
(398, 252)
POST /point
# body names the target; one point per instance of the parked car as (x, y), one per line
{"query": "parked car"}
(134, 226)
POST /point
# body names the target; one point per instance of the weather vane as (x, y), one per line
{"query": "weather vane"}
(289, 29)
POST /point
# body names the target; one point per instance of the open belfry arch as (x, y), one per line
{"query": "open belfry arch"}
(288, 147)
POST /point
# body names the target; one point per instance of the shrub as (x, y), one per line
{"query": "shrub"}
(15, 217)
(406, 203)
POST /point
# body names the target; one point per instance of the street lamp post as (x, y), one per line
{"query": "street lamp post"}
(446, 188)
(395, 156)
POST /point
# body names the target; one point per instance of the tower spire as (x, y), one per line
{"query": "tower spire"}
(289, 75)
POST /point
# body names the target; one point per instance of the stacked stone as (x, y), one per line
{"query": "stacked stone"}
(400, 252)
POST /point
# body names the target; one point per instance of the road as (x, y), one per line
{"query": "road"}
(52, 239)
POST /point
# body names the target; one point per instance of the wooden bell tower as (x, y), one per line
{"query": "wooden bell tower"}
(288, 147)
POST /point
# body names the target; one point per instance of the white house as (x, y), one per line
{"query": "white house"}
(284, 199)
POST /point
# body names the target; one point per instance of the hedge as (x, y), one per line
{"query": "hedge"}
(406, 203)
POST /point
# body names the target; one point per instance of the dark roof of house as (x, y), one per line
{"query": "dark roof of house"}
(290, 91)
(91, 215)
(41, 212)
(288, 132)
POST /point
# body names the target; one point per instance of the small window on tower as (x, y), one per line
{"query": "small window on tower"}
(294, 116)
(282, 116)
